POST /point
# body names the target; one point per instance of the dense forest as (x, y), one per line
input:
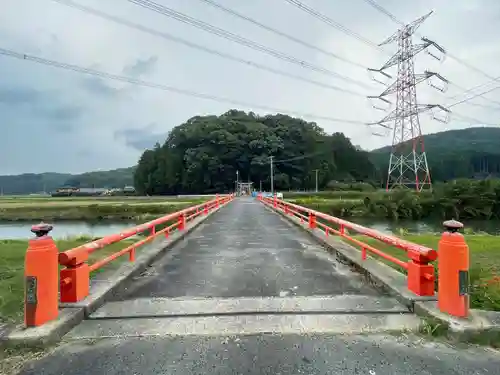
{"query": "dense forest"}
(464, 153)
(207, 151)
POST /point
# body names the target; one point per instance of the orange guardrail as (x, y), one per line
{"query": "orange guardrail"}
(44, 289)
(453, 268)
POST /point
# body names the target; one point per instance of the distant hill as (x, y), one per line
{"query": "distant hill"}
(466, 153)
(29, 183)
(472, 152)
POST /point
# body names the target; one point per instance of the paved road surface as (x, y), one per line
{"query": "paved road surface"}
(246, 251)
(266, 355)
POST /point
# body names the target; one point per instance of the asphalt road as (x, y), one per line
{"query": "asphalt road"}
(246, 251)
(266, 354)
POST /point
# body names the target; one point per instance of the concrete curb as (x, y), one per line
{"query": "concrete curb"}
(103, 287)
(481, 326)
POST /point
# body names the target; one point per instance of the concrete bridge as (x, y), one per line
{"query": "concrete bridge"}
(246, 291)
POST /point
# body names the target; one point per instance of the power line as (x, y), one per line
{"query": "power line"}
(465, 91)
(473, 119)
(97, 73)
(280, 33)
(333, 23)
(490, 107)
(474, 96)
(301, 157)
(238, 39)
(374, 4)
(473, 88)
(187, 43)
(383, 10)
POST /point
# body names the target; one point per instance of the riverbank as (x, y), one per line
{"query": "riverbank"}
(484, 264)
(460, 199)
(88, 209)
(12, 254)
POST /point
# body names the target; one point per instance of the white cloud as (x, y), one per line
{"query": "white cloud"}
(64, 121)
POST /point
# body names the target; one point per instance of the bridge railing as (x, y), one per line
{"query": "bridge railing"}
(43, 260)
(421, 274)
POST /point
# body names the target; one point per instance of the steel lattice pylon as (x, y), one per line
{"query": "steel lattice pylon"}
(408, 165)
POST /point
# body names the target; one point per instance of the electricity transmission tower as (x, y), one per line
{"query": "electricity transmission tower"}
(408, 161)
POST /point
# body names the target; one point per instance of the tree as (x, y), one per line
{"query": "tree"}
(204, 154)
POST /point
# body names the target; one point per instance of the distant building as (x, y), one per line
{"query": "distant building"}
(79, 192)
(129, 189)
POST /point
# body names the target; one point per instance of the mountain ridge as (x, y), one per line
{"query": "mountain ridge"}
(451, 154)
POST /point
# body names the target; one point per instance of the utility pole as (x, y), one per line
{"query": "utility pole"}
(237, 181)
(316, 170)
(408, 160)
(260, 185)
(272, 176)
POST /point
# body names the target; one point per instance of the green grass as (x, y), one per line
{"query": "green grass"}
(12, 254)
(484, 263)
(335, 194)
(112, 208)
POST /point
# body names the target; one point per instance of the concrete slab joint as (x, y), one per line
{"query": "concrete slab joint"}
(102, 288)
(479, 326)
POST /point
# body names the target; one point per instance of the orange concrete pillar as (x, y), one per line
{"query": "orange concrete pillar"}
(453, 267)
(41, 281)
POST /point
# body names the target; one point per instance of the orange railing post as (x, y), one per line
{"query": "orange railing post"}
(205, 209)
(75, 278)
(275, 200)
(312, 220)
(182, 222)
(217, 200)
(420, 274)
(453, 266)
(41, 299)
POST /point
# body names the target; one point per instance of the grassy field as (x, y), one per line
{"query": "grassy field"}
(12, 254)
(484, 264)
(333, 195)
(111, 208)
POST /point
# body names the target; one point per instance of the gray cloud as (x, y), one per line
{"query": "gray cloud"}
(87, 119)
(98, 86)
(42, 104)
(61, 113)
(18, 95)
(141, 138)
(141, 67)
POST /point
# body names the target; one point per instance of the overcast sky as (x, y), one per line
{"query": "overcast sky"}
(62, 121)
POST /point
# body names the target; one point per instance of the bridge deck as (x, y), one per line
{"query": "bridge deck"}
(297, 299)
(247, 251)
